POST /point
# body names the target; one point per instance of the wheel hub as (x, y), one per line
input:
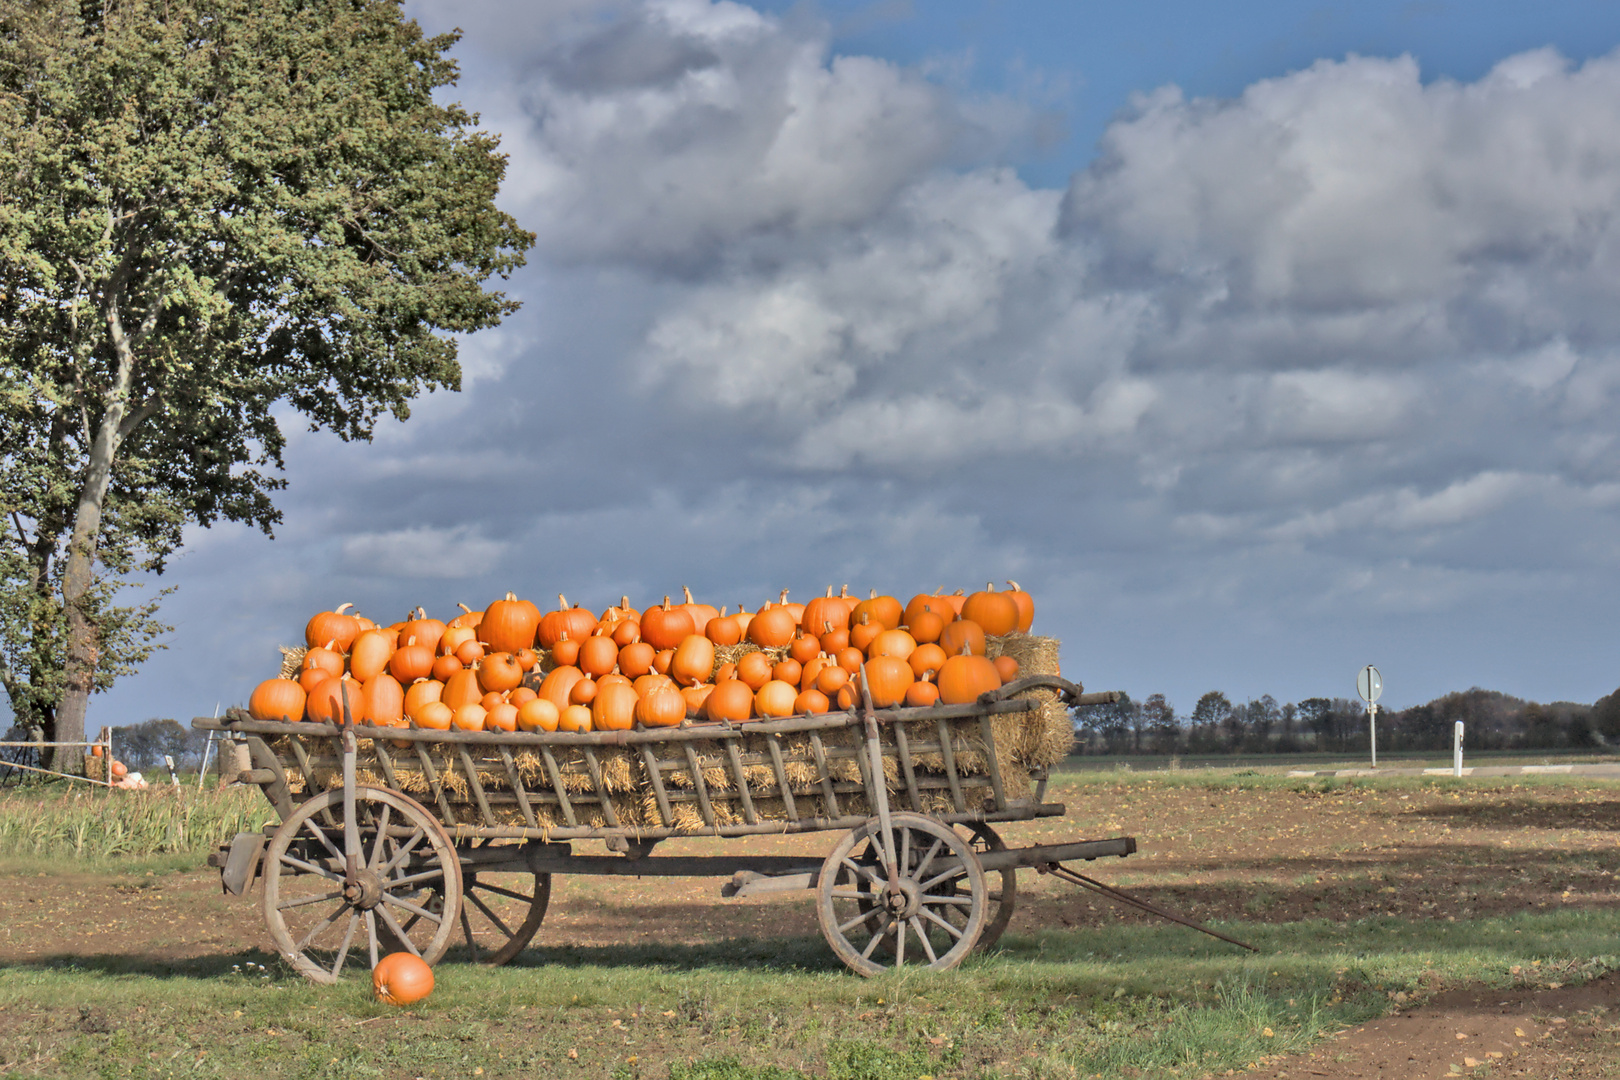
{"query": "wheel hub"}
(365, 891)
(900, 899)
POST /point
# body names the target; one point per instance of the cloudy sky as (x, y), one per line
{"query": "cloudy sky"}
(1260, 341)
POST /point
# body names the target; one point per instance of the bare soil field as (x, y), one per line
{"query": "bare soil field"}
(1272, 854)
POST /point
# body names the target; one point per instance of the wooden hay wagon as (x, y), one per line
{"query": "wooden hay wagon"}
(401, 838)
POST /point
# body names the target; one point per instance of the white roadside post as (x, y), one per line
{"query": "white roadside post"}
(1456, 748)
(1370, 684)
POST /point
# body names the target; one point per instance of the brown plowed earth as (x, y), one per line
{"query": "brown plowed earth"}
(1267, 855)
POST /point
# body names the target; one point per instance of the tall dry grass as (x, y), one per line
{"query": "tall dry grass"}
(103, 824)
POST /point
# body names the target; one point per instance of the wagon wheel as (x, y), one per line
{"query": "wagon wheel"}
(1002, 894)
(927, 907)
(500, 913)
(405, 860)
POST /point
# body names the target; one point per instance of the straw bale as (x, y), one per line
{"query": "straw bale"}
(1047, 733)
(292, 660)
(730, 654)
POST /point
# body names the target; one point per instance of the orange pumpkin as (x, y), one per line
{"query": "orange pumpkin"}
(624, 632)
(693, 661)
(771, 627)
(583, 692)
(509, 625)
(334, 626)
(731, 700)
(864, 631)
(370, 653)
(804, 647)
(834, 640)
(502, 717)
(574, 718)
(701, 614)
(454, 637)
(811, 701)
(614, 708)
(1007, 668)
(895, 643)
(695, 696)
(883, 610)
(849, 659)
(327, 701)
(277, 699)
(825, 613)
(401, 978)
(598, 655)
(775, 699)
(434, 716)
(662, 707)
(1026, 607)
(444, 667)
(470, 652)
(500, 672)
(963, 632)
(384, 700)
(426, 631)
(411, 661)
(556, 685)
(462, 689)
(964, 677)
(926, 658)
(573, 622)
(666, 627)
(521, 695)
(995, 611)
(469, 717)
(325, 659)
(565, 651)
(724, 630)
(921, 603)
(920, 695)
(832, 679)
(662, 659)
(888, 678)
(538, 714)
(420, 693)
(754, 669)
(788, 671)
(636, 659)
(926, 626)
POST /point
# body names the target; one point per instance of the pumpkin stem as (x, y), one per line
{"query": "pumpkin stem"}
(1014, 585)
(562, 602)
(510, 595)
(844, 592)
(687, 590)
(463, 607)
(871, 594)
(722, 611)
(989, 586)
(666, 601)
(829, 592)
(341, 608)
(784, 597)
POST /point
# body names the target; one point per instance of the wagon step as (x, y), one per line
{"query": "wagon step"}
(755, 882)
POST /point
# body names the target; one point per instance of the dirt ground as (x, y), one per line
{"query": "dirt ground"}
(1258, 855)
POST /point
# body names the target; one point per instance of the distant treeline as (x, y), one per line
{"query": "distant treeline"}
(1491, 721)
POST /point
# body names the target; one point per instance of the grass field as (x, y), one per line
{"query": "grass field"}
(1362, 897)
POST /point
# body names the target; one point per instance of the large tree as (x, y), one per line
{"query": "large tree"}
(210, 210)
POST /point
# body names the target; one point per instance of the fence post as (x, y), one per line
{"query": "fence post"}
(1456, 748)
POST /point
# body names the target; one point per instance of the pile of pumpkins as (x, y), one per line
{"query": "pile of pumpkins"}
(512, 668)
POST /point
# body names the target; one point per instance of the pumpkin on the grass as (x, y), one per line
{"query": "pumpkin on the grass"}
(401, 978)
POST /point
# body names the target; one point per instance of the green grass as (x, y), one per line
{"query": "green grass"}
(49, 822)
(1056, 1004)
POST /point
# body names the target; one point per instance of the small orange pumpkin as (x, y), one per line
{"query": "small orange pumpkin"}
(614, 708)
(277, 699)
(401, 978)
(538, 714)
(731, 700)
(662, 707)
(775, 699)
(575, 718)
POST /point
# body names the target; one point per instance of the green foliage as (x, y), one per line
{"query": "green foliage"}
(123, 824)
(209, 208)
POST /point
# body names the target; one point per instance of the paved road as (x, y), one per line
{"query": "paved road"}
(1612, 771)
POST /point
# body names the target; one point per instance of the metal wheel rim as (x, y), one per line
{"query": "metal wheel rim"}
(316, 928)
(940, 915)
(488, 926)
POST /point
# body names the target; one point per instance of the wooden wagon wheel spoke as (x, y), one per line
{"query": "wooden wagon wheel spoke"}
(419, 912)
(922, 939)
(326, 841)
(489, 914)
(309, 868)
(943, 924)
(321, 898)
(382, 838)
(499, 919)
(308, 935)
(323, 926)
(928, 860)
(402, 933)
(419, 878)
(343, 949)
(934, 882)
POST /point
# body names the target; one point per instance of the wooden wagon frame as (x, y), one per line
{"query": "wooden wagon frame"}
(926, 881)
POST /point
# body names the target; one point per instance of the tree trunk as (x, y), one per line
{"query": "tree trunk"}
(83, 653)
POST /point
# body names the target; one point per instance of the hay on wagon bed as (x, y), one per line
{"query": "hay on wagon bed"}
(292, 660)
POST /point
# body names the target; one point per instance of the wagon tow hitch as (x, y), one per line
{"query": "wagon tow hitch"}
(1058, 870)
